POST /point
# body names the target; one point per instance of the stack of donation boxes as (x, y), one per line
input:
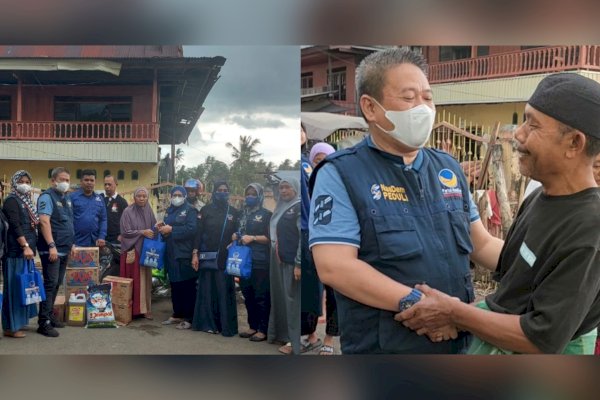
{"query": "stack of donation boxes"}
(122, 298)
(82, 270)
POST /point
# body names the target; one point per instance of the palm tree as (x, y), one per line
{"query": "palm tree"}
(246, 151)
(245, 158)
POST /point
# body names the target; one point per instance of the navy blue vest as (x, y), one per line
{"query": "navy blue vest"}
(61, 222)
(13, 247)
(415, 228)
(288, 235)
(258, 224)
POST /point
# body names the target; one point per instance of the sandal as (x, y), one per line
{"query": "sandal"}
(286, 349)
(257, 338)
(17, 334)
(172, 321)
(247, 334)
(326, 350)
(307, 346)
(184, 325)
(212, 332)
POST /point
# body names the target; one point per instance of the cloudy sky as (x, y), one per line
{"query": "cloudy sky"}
(258, 94)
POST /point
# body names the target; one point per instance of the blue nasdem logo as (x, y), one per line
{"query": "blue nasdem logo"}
(448, 178)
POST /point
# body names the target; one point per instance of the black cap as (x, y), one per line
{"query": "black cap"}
(571, 99)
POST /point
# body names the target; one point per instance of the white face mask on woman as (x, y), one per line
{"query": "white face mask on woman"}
(411, 127)
(177, 201)
(23, 188)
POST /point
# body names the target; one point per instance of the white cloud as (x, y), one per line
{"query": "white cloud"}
(210, 138)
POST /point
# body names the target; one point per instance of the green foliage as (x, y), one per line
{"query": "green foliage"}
(247, 167)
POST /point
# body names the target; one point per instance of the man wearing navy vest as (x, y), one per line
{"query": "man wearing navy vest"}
(388, 214)
(55, 243)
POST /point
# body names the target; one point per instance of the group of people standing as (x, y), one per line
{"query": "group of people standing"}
(197, 238)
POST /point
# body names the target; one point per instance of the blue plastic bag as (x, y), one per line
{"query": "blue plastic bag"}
(239, 261)
(153, 253)
(31, 285)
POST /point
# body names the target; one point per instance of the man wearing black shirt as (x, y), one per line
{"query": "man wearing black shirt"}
(548, 297)
(115, 204)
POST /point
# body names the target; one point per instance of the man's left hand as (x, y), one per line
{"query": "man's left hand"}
(100, 242)
(430, 313)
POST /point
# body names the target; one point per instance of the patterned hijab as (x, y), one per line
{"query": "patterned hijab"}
(246, 211)
(25, 198)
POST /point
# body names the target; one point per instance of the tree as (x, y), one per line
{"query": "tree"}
(243, 167)
(286, 165)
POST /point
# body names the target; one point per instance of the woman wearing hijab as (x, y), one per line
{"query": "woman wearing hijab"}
(254, 232)
(179, 231)
(318, 153)
(284, 320)
(137, 222)
(20, 228)
(216, 308)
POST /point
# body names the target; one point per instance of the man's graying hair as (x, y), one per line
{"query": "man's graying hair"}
(58, 170)
(370, 73)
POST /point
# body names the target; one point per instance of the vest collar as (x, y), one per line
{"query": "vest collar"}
(416, 164)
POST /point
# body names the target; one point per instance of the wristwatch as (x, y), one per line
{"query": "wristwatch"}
(25, 245)
(52, 245)
(195, 251)
(410, 300)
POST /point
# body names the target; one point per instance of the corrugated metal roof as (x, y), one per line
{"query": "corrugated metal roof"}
(90, 51)
(502, 90)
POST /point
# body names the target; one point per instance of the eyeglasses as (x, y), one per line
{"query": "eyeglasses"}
(222, 190)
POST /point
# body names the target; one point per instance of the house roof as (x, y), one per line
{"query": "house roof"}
(183, 83)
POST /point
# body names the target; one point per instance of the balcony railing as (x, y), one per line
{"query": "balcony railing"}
(315, 90)
(525, 62)
(79, 131)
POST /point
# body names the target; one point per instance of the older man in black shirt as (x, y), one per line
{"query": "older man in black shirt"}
(115, 204)
(548, 298)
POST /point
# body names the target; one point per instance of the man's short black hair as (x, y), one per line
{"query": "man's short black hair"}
(88, 172)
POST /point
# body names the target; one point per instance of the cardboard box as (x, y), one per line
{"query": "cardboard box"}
(123, 312)
(122, 289)
(84, 257)
(82, 277)
(59, 308)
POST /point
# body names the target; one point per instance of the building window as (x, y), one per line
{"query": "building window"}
(120, 175)
(134, 175)
(515, 119)
(106, 172)
(483, 51)
(337, 83)
(50, 173)
(78, 174)
(306, 80)
(449, 53)
(5, 108)
(93, 109)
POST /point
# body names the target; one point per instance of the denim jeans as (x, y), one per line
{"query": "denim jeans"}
(54, 275)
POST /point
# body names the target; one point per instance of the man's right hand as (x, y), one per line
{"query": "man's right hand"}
(195, 262)
(53, 254)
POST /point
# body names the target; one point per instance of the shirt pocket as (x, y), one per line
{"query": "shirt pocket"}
(397, 237)
(461, 228)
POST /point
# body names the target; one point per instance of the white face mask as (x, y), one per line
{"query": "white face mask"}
(23, 188)
(177, 201)
(411, 127)
(62, 186)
